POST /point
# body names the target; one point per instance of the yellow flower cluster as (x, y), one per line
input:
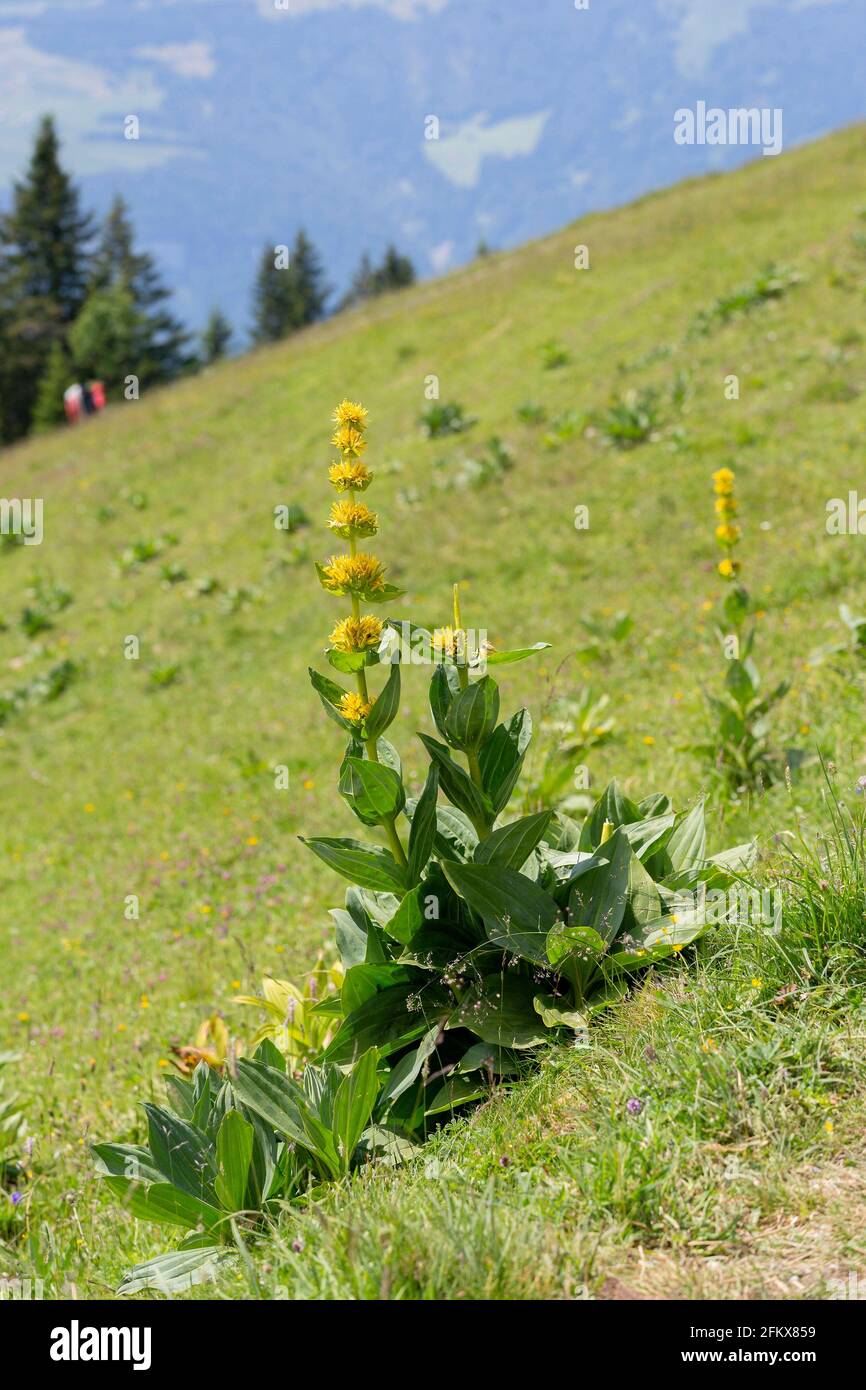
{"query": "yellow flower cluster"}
(356, 634)
(354, 574)
(350, 518)
(358, 573)
(354, 707)
(727, 530)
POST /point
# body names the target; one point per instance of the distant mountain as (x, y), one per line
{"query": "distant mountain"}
(256, 116)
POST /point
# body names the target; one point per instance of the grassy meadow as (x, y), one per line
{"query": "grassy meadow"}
(153, 778)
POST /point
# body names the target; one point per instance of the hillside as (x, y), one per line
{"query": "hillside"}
(154, 777)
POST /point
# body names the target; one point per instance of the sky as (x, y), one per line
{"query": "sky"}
(430, 123)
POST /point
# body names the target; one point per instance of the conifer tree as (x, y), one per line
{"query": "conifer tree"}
(216, 336)
(287, 297)
(162, 345)
(43, 271)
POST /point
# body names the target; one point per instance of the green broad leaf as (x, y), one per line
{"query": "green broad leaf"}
(178, 1271)
(563, 943)
(234, 1155)
(386, 1145)
(444, 688)
(330, 695)
(658, 804)
(180, 1152)
(351, 939)
(457, 1090)
(350, 662)
(408, 1069)
(130, 1161)
(385, 705)
(169, 1205)
(353, 1105)
(511, 845)
(501, 1011)
(736, 860)
(457, 785)
(487, 1057)
(687, 846)
(554, 1013)
(643, 897)
(373, 791)
(423, 831)
(598, 898)
(409, 917)
(388, 755)
(270, 1054)
(383, 595)
(363, 981)
(501, 758)
(495, 658)
(517, 914)
(272, 1095)
(614, 806)
(456, 836)
(367, 865)
(647, 837)
(472, 716)
(391, 1019)
(741, 681)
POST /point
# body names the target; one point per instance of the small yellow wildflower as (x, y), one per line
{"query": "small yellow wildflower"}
(829, 1126)
(350, 475)
(756, 983)
(162, 1062)
(23, 1018)
(349, 441)
(89, 807)
(144, 1002)
(351, 413)
(709, 1045)
(805, 728)
(726, 505)
(356, 634)
(308, 784)
(729, 568)
(648, 740)
(448, 641)
(357, 574)
(723, 480)
(350, 518)
(252, 839)
(353, 707)
(727, 534)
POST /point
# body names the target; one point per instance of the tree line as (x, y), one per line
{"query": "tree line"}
(79, 301)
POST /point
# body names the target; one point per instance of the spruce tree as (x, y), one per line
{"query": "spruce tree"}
(394, 273)
(162, 345)
(216, 336)
(43, 268)
(287, 298)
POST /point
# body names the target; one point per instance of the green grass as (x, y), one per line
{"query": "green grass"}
(154, 778)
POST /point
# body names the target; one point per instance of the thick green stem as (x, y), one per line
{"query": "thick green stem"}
(389, 826)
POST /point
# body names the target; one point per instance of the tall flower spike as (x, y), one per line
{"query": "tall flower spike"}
(360, 576)
(727, 530)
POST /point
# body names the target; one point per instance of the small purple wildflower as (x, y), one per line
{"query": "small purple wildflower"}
(634, 1106)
